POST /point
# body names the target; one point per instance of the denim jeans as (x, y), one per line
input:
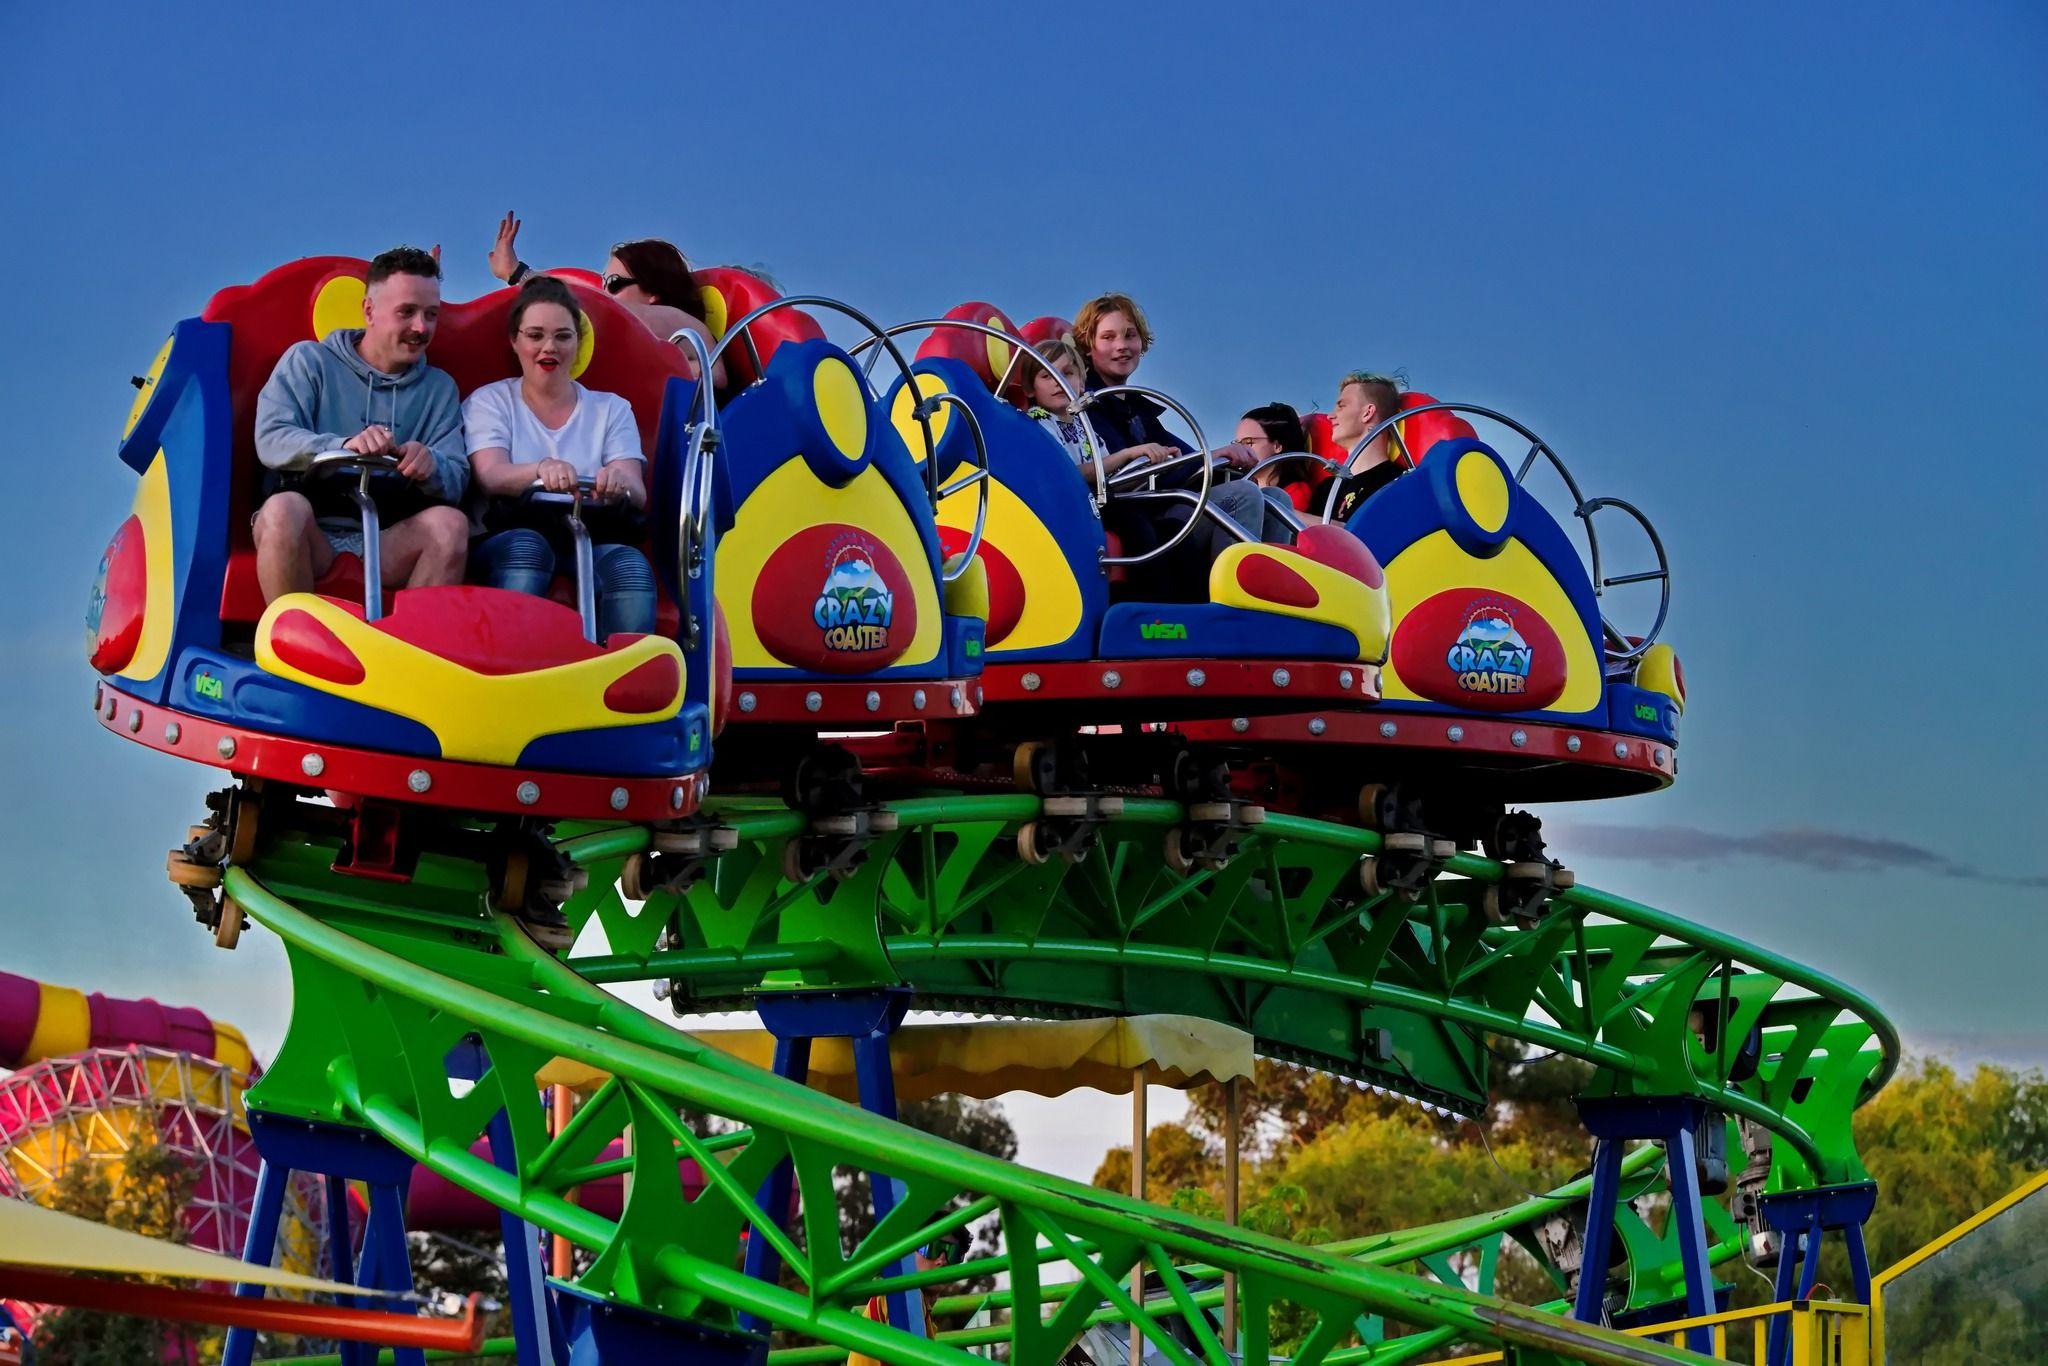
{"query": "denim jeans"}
(523, 561)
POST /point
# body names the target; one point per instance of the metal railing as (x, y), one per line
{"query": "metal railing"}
(1621, 648)
(1818, 1333)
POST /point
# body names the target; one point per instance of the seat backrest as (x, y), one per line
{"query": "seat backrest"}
(989, 358)
(1414, 436)
(1422, 432)
(729, 295)
(306, 300)
(1045, 328)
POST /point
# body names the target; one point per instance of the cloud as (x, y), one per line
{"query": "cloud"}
(1804, 846)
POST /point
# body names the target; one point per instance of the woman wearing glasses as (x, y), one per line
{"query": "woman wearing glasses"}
(648, 276)
(545, 429)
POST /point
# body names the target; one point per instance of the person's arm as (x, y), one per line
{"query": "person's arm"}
(623, 473)
(287, 437)
(441, 434)
(487, 426)
(1150, 450)
(505, 262)
(665, 320)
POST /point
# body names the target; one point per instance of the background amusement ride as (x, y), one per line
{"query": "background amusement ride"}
(909, 732)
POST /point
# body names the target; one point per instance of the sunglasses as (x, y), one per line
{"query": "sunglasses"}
(614, 283)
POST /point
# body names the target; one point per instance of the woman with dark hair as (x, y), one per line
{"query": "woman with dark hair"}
(648, 276)
(545, 428)
(1275, 429)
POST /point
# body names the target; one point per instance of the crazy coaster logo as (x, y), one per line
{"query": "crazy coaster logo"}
(1489, 655)
(855, 606)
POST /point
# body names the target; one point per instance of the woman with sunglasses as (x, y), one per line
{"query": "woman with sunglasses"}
(648, 276)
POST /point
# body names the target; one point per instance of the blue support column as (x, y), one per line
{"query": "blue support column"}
(536, 1334)
(877, 1080)
(602, 1333)
(1802, 1219)
(867, 1019)
(793, 1061)
(1599, 1238)
(339, 1154)
(1670, 1120)
(260, 1248)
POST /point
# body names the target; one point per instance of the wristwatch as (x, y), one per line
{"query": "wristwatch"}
(520, 270)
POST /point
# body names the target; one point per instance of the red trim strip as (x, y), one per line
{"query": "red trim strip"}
(869, 704)
(389, 1329)
(1292, 681)
(1473, 735)
(369, 773)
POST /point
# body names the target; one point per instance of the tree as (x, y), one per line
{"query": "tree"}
(1176, 1159)
(977, 1124)
(147, 1194)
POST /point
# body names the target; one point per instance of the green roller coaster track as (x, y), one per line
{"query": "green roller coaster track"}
(393, 978)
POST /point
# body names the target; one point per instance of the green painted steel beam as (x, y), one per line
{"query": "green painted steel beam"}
(405, 982)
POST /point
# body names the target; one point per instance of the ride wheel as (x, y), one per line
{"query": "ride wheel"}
(228, 932)
(1031, 766)
(1369, 876)
(510, 893)
(1173, 849)
(183, 872)
(633, 883)
(243, 826)
(793, 863)
(1028, 848)
(1372, 802)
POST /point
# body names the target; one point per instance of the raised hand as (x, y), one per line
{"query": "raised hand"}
(371, 440)
(505, 251)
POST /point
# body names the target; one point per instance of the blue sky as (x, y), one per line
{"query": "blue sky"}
(1774, 273)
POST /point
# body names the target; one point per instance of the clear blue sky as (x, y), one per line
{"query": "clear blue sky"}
(1775, 273)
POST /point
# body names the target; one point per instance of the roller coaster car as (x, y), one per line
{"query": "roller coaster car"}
(464, 697)
(842, 610)
(1281, 627)
(1503, 682)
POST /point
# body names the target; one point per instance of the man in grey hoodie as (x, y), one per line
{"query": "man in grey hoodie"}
(370, 391)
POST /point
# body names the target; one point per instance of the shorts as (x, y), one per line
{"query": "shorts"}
(348, 542)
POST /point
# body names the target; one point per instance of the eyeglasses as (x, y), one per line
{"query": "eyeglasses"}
(614, 283)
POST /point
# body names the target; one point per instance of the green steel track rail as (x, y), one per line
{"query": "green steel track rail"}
(389, 980)
(1277, 942)
(1427, 1247)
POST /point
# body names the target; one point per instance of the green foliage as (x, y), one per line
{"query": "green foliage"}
(1941, 1147)
(146, 1194)
(1176, 1159)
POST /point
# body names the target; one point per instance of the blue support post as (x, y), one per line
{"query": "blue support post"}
(339, 1154)
(867, 1019)
(877, 1081)
(260, 1248)
(1599, 1238)
(1802, 1219)
(1670, 1120)
(604, 1333)
(792, 1060)
(536, 1336)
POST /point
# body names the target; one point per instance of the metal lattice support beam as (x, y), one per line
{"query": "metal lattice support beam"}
(408, 984)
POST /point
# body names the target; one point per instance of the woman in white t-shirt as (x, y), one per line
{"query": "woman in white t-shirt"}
(545, 426)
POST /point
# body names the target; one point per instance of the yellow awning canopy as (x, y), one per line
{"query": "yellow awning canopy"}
(986, 1059)
(45, 1238)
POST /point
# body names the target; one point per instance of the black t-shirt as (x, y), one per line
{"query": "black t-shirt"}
(1354, 489)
